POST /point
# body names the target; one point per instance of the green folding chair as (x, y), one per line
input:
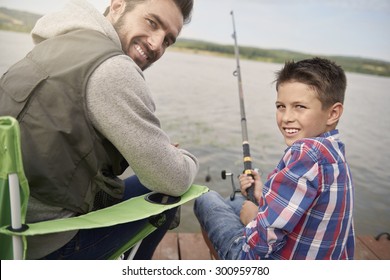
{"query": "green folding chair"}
(14, 194)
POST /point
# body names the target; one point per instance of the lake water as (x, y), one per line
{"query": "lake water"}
(198, 105)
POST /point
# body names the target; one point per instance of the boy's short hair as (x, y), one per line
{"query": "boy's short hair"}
(324, 76)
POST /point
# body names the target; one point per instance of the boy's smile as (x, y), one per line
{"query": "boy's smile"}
(299, 112)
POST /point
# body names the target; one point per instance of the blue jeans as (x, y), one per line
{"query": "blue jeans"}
(100, 243)
(220, 219)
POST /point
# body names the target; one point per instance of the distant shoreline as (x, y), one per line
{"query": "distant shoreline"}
(349, 64)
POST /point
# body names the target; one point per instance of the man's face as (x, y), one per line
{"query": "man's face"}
(146, 31)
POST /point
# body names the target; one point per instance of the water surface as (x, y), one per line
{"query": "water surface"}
(198, 105)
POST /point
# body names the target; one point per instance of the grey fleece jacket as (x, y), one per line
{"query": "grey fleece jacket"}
(121, 108)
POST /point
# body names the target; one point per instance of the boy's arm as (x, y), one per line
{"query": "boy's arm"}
(249, 210)
(288, 193)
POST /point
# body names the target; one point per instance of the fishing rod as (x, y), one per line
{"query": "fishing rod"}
(245, 144)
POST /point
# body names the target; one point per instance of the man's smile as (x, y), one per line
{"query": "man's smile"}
(141, 52)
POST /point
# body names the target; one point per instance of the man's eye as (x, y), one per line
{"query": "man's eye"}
(151, 23)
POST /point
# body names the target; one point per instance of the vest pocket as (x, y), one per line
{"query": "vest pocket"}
(19, 83)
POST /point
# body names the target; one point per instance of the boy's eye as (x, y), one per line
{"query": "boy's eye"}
(279, 106)
(300, 106)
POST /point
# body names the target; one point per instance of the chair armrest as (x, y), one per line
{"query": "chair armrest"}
(130, 210)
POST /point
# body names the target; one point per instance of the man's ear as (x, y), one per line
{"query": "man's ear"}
(335, 112)
(117, 7)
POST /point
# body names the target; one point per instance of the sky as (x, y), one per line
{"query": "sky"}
(320, 27)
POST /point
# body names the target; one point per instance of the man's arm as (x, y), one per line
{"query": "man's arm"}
(120, 107)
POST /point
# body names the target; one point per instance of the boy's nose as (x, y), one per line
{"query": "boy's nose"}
(288, 116)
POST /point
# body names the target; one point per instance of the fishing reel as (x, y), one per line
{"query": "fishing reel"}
(224, 175)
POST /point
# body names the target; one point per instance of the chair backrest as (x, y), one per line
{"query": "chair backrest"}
(11, 163)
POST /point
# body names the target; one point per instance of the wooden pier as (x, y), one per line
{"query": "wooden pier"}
(191, 246)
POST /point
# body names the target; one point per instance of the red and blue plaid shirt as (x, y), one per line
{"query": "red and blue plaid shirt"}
(306, 211)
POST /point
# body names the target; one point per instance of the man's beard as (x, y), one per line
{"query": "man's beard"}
(118, 25)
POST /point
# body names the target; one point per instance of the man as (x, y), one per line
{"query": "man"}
(86, 114)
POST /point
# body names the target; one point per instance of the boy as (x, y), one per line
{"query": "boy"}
(306, 205)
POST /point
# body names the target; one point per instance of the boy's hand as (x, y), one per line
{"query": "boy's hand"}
(248, 212)
(246, 181)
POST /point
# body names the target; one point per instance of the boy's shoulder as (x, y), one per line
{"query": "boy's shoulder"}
(324, 148)
(325, 139)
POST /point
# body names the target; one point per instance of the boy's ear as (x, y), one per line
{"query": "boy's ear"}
(335, 113)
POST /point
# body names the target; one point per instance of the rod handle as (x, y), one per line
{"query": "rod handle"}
(251, 194)
(251, 190)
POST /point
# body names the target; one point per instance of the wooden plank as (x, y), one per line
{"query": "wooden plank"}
(362, 252)
(168, 248)
(381, 247)
(193, 247)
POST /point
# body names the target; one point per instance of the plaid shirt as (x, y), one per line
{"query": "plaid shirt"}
(307, 205)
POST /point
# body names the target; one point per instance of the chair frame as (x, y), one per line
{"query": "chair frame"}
(142, 207)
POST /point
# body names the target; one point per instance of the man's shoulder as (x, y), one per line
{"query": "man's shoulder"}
(118, 67)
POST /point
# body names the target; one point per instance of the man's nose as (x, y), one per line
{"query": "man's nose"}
(156, 43)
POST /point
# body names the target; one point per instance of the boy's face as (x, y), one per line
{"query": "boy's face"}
(299, 112)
